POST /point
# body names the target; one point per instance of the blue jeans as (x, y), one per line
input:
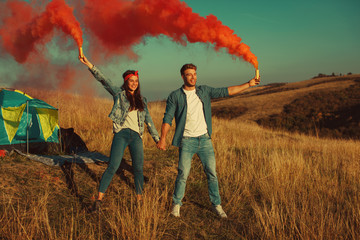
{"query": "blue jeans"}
(121, 140)
(203, 147)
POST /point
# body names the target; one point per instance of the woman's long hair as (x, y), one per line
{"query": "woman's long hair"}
(136, 101)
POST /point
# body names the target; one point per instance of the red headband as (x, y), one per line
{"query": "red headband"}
(130, 75)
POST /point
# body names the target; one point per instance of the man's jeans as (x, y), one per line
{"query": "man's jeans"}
(121, 140)
(202, 146)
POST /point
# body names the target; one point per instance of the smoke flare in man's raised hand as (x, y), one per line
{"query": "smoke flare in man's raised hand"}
(120, 24)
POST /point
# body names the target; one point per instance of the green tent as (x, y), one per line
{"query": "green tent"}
(26, 123)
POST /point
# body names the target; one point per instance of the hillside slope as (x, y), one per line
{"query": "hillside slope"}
(267, 104)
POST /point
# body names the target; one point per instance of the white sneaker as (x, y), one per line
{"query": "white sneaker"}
(176, 210)
(218, 209)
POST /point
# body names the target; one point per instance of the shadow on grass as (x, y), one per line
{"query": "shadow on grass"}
(68, 171)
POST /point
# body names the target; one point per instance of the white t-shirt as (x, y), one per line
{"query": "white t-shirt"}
(131, 121)
(195, 120)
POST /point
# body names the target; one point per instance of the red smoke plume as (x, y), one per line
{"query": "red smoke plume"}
(116, 25)
(119, 24)
(24, 28)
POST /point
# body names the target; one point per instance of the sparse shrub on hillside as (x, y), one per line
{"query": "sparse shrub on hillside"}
(321, 75)
(326, 114)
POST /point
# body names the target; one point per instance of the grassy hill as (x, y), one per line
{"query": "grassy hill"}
(274, 184)
(325, 107)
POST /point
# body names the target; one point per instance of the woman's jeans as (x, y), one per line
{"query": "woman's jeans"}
(202, 146)
(121, 140)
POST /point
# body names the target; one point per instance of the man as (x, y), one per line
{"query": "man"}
(191, 107)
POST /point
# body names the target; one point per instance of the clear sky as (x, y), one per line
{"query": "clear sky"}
(293, 41)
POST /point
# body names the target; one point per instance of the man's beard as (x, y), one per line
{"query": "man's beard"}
(188, 84)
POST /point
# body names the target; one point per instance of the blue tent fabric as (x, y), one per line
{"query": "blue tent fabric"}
(10, 98)
(29, 128)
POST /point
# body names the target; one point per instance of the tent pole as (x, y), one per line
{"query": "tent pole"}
(27, 127)
(59, 125)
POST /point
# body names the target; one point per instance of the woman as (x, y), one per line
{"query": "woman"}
(128, 114)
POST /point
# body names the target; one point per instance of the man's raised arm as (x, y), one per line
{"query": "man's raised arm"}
(239, 88)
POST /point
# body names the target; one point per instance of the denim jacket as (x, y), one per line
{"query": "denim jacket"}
(176, 106)
(121, 106)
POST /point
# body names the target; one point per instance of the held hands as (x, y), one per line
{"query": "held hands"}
(161, 144)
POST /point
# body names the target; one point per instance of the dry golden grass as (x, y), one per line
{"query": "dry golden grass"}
(295, 186)
(274, 185)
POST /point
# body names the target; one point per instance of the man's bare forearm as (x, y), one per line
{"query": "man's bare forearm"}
(165, 127)
(238, 89)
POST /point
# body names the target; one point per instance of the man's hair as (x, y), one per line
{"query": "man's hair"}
(136, 101)
(187, 66)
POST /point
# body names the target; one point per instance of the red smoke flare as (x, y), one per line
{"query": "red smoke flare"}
(24, 28)
(61, 15)
(115, 25)
(119, 24)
